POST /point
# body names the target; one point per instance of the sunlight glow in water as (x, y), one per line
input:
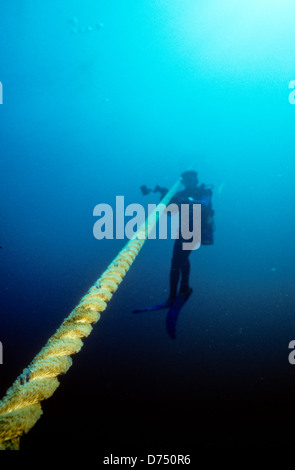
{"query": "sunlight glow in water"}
(256, 33)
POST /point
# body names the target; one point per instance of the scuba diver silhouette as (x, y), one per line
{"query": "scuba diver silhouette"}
(193, 193)
(180, 265)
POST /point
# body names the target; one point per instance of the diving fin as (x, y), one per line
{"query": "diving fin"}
(173, 313)
(153, 308)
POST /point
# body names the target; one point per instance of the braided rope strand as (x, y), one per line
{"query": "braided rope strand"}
(20, 409)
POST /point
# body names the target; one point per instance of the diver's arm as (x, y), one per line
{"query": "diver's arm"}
(162, 191)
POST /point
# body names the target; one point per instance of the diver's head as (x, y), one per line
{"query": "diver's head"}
(189, 179)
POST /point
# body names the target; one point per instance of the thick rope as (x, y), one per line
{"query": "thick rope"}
(20, 409)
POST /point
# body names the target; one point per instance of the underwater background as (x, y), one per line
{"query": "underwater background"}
(99, 98)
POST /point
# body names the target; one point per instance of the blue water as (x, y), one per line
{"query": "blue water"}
(98, 99)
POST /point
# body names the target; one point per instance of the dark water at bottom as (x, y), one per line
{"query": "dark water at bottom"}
(225, 383)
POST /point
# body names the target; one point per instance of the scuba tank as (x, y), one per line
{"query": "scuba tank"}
(207, 224)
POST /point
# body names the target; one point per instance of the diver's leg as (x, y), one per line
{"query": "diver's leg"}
(185, 271)
(174, 279)
(175, 271)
